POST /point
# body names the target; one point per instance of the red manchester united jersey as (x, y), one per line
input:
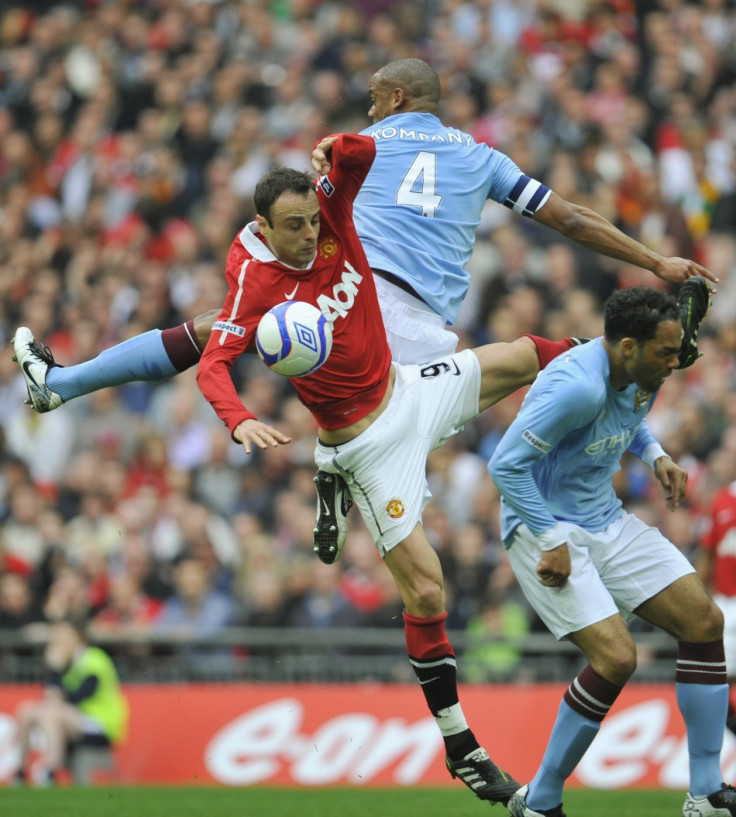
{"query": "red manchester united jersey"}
(720, 538)
(353, 380)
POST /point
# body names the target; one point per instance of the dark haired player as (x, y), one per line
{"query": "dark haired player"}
(584, 563)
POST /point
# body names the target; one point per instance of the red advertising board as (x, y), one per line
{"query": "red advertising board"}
(321, 735)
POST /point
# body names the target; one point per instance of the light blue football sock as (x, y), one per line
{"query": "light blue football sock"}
(704, 708)
(571, 736)
(140, 358)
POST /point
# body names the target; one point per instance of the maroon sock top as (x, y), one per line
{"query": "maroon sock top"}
(182, 346)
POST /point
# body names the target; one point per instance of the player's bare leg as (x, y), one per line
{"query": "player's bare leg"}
(506, 367)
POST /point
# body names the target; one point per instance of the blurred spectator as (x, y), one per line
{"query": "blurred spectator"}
(497, 630)
(93, 530)
(68, 596)
(363, 578)
(128, 611)
(265, 599)
(217, 481)
(82, 701)
(467, 568)
(23, 541)
(18, 605)
(324, 603)
(194, 609)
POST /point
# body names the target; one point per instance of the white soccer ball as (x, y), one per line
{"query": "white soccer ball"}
(294, 338)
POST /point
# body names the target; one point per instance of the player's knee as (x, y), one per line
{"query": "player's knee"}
(429, 598)
(627, 665)
(616, 665)
(702, 622)
(709, 625)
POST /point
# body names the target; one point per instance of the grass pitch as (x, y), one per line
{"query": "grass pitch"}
(201, 801)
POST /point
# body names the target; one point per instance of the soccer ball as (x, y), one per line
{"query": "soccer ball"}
(294, 338)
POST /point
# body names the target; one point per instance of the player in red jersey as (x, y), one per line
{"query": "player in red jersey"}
(377, 420)
(716, 565)
(299, 251)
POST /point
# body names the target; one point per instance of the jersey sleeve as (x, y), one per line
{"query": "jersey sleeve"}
(542, 423)
(514, 189)
(645, 446)
(352, 157)
(231, 336)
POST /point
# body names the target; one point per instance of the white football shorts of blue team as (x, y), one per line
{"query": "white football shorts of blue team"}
(613, 571)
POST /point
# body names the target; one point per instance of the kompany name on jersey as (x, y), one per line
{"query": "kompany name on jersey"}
(536, 442)
(231, 328)
(414, 135)
(343, 295)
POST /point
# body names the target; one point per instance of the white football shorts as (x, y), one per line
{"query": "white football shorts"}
(385, 466)
(613, 571)
(415, 332)
(728, 606)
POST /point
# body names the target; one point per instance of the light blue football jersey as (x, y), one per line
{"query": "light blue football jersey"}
(420, 204)
(557, 459)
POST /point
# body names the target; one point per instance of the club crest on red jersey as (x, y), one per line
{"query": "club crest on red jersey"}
(328, 248)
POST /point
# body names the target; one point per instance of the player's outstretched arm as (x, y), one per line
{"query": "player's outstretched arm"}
(592, 230)
(253, 432)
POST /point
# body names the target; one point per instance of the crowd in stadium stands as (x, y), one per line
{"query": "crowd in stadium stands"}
(131, 138)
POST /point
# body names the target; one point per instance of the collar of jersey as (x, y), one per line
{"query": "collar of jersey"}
(249, 238)
(395, 117)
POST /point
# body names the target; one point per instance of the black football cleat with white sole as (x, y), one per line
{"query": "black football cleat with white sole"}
(481, 775)
(333, 504)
